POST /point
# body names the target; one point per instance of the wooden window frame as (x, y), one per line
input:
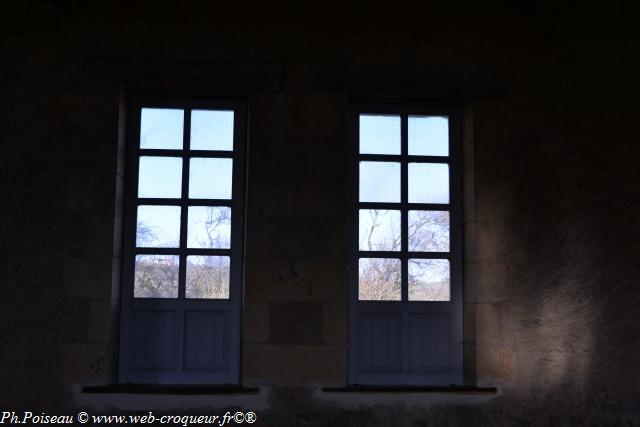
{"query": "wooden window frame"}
(453, 112)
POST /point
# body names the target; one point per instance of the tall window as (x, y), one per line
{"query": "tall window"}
(405, 266)
(182, 266)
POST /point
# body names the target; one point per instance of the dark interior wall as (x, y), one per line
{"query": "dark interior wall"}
(551, 193)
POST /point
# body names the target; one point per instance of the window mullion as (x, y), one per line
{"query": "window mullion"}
(182, 277)
(404, 229)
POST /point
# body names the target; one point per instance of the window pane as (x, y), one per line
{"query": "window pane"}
(210, 178)
(379, 230)
(429, 231)
(428, 136)
(380, 182)
(429, 280)
(212, 130)
(156, 276)
(207, 277)
(379, 134)
(161, 128)
(379, 279)
(160, 177)
(158, 226)
(428, 183)
(209, 227)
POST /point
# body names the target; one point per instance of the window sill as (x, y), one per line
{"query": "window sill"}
(411, 389)
(170, 389)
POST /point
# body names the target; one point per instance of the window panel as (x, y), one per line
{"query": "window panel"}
(379, 279)
(428, 183)
(429, 231)
(429, 280)
(380, 182)
(158, 226)
(428, 136)
(156, 276)
(379, 134)
(212, 130)
(207, 277)
(210, 178)
(209, 227)
(161, 128)
(379, 230)
(160, 177)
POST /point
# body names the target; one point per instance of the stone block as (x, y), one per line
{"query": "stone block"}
(334, 323)
(294, 365)
(300, 238)
(104, 319)
(302, 197)
(88, 364)
(255, 322)
(89, 278)
(489, 324)
(295, 322)
(495, 363)
(295, 279)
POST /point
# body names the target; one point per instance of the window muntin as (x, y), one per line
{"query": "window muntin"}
(405, 278)
(182, 241)
(181, 176)
(404, 183)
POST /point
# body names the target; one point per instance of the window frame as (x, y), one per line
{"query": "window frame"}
(455, 304)
(133, 153)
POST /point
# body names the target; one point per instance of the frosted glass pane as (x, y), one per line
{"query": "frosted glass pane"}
(212, 130)
(379, 279)
(209, 227)
(429, 231)
(161, 128)
(156, 276)
(210, 178)
(428, 136)
(160, 177)
(429, 280)
(380, 182)
(379, 134)
(207, 277)
(158, 227)
(379, 230)
(428, 183)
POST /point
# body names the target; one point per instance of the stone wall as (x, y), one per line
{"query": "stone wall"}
(551, 197)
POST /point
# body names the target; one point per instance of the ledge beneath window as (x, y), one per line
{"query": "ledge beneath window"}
(170, 389)
(411, 389)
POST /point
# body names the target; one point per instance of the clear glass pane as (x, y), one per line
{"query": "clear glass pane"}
(160, 177)
(380, 182)
(156, 276)
(428, 136)
(212, 130)
(429, 280)
(158, 227)
(210, 178)
(379, 279)
(209, 227)
(207, 277)
(429, 231)
(379, 134)
(428, 183)
(161, 128)
(379, 230)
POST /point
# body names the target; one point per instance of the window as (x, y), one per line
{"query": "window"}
(182, 262)
(405, 303)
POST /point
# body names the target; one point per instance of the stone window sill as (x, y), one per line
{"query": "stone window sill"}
(411, 389)
(170, 389)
